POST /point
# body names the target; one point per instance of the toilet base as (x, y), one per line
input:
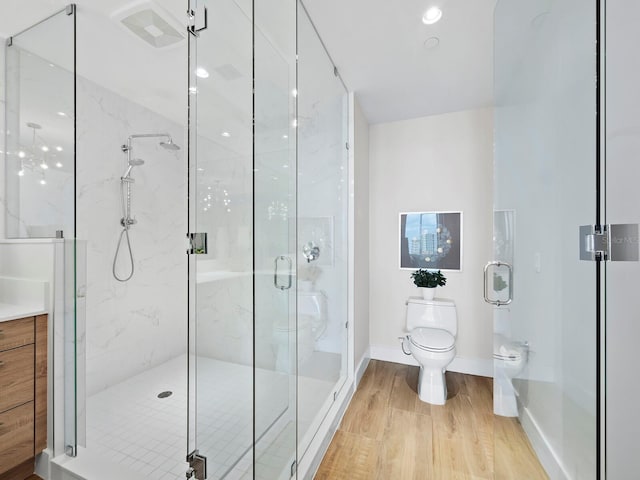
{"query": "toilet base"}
(432, 386)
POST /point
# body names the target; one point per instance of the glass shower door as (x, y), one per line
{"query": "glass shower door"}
(242, 214)
(546, 320)
(220, 361)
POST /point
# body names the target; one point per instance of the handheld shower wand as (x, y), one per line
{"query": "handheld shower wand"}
(125, 196)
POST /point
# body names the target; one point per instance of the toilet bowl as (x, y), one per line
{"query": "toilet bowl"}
(432, 326)
(311, 324)
(509, 360)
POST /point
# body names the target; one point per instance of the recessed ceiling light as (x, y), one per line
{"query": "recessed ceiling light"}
(62, 114)
(44, 165)
(285, 137)
(43, 182)
(58, 164)
(202, 73)
(225, 134)
(21, 154)
(431, 43)
(45, 148)
(21, 172)
(431, 16)
(59, 149)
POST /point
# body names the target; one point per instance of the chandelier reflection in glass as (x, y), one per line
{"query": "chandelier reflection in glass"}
(33, 159)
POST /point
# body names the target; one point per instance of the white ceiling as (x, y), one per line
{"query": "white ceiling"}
(378, 48)
(376, 44)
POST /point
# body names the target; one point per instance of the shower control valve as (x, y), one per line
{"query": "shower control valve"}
(127, 222)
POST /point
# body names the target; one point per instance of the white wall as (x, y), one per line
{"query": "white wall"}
(623, 201)
(439, 163)
(135, 325)
(361, 234)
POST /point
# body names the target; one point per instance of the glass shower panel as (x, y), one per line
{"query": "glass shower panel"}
(321, 249)
(221, 319)
(545, 341)
(40, 129)
(274, 209)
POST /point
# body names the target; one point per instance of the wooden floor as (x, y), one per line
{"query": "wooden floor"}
(388, 433)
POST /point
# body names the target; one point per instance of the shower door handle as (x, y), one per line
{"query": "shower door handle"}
(487, 268)
(276, 277)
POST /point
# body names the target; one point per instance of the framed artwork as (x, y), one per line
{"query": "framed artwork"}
(431, 240)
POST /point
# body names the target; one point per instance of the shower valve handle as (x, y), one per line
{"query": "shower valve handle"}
(127, 222)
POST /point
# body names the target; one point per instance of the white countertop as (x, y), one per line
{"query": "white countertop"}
(9, 311)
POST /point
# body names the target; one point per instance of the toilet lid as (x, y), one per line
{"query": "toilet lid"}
(434, 339)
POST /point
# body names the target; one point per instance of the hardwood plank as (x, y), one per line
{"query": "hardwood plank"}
(41, 335)
(457, 445)
(366, 415)
(390, 433)
(350, 457)
(402, 395)
(16, 436)
(16, 333)
(514, 456)
(378, 378)
(16, 377)
(406, 451)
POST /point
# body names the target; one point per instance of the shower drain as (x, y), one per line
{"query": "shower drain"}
(165, 394)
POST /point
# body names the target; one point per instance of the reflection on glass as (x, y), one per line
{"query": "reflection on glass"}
(321, 248)
(39, 167)
(545, 340)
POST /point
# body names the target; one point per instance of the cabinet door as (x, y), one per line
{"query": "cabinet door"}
(16, 333)
(16, 436)
(16, 377)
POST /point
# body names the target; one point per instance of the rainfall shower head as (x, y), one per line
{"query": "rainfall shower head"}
(169, 145)
(134, 162)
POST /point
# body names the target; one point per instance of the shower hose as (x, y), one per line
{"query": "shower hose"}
(126, 223)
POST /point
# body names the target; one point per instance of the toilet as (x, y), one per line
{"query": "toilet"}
(509, 360)
(311, 324)
(432, 327)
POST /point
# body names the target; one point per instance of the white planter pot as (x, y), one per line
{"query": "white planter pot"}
(428, 293)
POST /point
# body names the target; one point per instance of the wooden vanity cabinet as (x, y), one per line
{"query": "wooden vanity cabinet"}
(23, 395)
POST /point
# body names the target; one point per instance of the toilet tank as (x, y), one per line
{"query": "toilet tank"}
(439, 313)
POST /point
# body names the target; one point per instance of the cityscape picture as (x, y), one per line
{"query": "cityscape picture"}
(431, 240)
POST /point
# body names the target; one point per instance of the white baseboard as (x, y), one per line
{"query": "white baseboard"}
(471, 366)
(540, 444)
(362, 366)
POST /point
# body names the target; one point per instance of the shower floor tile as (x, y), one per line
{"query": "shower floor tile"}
(130, 426)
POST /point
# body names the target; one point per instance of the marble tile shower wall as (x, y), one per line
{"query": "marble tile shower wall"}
(136, 325)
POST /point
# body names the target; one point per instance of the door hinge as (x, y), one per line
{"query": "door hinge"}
(197, 466)
(614, 242)
(197, 244)
(198, 19)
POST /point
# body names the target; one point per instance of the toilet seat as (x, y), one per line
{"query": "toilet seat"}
(509, 352)
(432, 339)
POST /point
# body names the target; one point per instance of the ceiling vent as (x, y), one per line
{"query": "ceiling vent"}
(151, 23)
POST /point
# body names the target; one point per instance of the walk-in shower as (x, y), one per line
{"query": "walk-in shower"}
(125, 197)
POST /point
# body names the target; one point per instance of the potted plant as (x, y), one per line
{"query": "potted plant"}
(427, 281)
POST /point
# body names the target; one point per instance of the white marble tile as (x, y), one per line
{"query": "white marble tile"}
(135, 325)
